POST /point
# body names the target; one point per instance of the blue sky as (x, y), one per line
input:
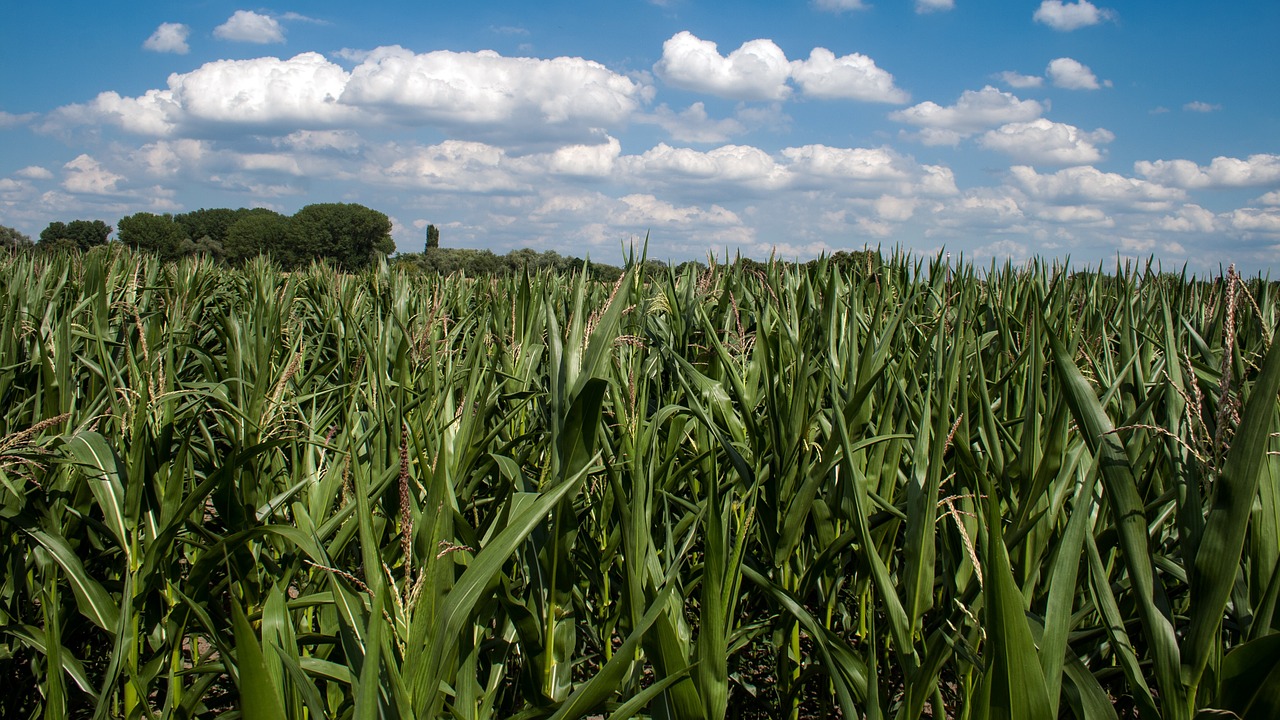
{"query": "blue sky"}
(993, 130)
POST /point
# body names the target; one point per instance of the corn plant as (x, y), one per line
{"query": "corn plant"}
(899, 489)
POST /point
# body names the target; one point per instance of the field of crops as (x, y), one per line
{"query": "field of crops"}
(891, 490)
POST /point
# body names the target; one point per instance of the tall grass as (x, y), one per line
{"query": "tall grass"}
(889, 491)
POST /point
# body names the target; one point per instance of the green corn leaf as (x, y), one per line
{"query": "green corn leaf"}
(94, 602)
(1130, 520)
(1234, 492)
(259, 697)
(1250, 682)
(1014, 681)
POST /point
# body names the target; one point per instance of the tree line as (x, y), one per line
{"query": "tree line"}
(347, 234)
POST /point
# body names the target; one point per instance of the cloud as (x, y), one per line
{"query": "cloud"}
(322, 141)
(1255, 220)
(301, 91)
(299, 17)
(1018, 80)
(1010, 249)
(758, 70)
(507, 30)
(248, 26)
(453, 166)
(853, 77)
(1271, 198)
(740, 166)
(732, 171)
(976, 110)
(693, 124)
(352, 54)
(1070, 16)
(928, 6)
(643, 210)
(1087, 183)
(478, 92)
(1200, 107)
(86, 175)
(1071, 74)
(831, 163)
(1075, 215)
(170, 158)
(34, 172)
(169, 38)
(1189, 218)
(8, 120)
(896, 209)
(839, 6)
(1261, 169)
(1043, 141)
(475, 94)
(584, 161)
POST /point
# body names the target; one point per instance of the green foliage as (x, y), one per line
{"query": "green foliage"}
(433, 237)
(151, 233)
(484, 263)
(349, 234)
(211, 223)
(11, 239)
(260, 232)
(856, 489)
(76, 235)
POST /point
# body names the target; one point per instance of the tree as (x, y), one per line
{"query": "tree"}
(350, 234)
(75, 235)
(433, 237)
(260, 232)
(11, 239)
(211, 223)
(151, 233)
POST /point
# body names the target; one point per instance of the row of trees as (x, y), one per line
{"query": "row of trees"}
(348, 234)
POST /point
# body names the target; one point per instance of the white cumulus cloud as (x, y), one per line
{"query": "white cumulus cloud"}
(1201, 107)
(1071, 74)
(758, 70)
(826, 162)
(928, 6)
(169, 38)
(976, 110)
(1255, 220)
(1070, 16)
(642, 209)
(86, 175)
(525, 95)
(1074, 215)
(34, 172)
(454, 166)
(1090, 184)
(1018, 80)
(592, 161)
(854, 77)
(693, 124)
(1044, 141)
(476, 94)
(251, 27)
(1255, 170)
(1188, 218)
(735, 165)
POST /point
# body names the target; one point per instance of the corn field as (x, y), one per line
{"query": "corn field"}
(901, 490)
